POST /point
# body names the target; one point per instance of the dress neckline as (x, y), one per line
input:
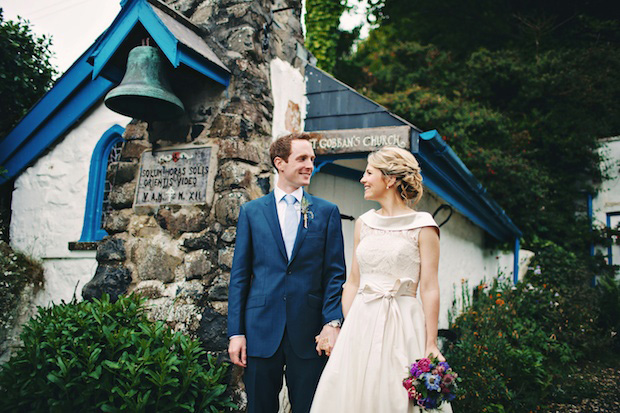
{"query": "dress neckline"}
(411, 220)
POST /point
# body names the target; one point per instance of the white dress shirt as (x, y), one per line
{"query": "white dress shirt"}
(281, 205)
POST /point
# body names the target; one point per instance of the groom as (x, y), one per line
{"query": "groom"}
(285, 284)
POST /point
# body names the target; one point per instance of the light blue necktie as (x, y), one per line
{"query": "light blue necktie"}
(290, 224)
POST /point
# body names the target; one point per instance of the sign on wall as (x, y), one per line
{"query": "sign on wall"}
(179, 176)
(360, 140)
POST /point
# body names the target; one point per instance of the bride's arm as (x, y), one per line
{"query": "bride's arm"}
(429, 286)
(353, 280)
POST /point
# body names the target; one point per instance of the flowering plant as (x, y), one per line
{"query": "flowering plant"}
(430, 383)
(305, 210)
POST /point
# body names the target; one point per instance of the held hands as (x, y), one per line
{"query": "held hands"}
(433, 350)
(326, 340)
(237, 351)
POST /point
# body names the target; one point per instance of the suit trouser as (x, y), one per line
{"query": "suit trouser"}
(263, 379)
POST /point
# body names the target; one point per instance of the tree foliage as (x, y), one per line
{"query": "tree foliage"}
(323, 37)
(25, 70)
(520, 90)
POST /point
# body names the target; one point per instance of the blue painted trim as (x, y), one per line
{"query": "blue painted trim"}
(463, 187)
(85, 83)
(139, 11)
(164, 38)
(91, 230)
(342, 171)
(114, 36)
(44, 109)
(62, 120)
(515, 275)
(188, 58)
(318, 165)
(342, 156)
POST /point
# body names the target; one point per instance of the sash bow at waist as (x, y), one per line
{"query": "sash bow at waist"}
(372, 292)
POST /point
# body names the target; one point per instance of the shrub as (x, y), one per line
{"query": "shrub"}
(515, 342)
(17, 271)
(104, 356)
(609, 318)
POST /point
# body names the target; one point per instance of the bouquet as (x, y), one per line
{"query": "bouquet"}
(430, 383)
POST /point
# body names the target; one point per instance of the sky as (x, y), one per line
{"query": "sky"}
(75, 24)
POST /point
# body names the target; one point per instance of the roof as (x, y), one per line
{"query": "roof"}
(99, 69)
(332, 105)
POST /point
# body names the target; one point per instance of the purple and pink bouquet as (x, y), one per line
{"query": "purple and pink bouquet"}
(430, 383)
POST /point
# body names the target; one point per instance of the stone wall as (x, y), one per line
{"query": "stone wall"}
(180, 256)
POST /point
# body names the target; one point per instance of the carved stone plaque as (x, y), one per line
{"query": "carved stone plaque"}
(333, 142)
(179, 176)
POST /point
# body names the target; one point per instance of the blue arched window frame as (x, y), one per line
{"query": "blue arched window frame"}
(91, 230)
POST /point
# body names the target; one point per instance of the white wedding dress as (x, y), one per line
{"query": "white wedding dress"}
(384, 331)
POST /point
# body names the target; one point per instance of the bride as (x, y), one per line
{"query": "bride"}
(386, 328)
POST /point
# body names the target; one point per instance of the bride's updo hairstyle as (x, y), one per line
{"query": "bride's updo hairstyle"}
(402, 165)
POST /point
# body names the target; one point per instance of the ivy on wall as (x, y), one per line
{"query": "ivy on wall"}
(322, 35)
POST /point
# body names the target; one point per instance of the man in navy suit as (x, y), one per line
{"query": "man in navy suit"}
(285, 284)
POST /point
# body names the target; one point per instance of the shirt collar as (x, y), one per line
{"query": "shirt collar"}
(279, 194)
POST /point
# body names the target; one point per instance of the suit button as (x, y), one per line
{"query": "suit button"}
(284, 298)
(289, 272)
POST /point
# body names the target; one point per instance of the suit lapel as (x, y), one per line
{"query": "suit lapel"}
(271, 214)
(301, 230)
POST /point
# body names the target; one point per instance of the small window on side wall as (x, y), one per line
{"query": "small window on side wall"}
(107, 150)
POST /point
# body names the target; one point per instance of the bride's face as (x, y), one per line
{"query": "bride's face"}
(374, 183)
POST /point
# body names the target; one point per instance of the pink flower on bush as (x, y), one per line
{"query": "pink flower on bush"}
(424, 365)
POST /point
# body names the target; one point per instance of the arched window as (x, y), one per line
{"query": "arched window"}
(108, 150)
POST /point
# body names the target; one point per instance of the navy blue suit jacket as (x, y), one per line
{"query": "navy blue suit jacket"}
(269, 293)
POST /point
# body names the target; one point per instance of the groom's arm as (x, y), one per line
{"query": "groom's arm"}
(238, 288)
(240, 275)
(333, 268)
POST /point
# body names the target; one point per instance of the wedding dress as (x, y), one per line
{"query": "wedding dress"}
(384, 331)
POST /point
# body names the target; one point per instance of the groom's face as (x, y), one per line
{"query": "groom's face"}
(297, 170)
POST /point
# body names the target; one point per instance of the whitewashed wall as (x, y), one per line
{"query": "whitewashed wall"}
(608, 198)
(48, 207)
(288, 87)
(463, 256)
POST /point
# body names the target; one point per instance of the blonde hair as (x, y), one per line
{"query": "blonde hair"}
(402, 165)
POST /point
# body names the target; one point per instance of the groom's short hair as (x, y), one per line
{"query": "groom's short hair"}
(281, 147)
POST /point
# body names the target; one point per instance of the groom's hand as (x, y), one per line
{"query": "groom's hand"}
(237, 351)
(326, 340)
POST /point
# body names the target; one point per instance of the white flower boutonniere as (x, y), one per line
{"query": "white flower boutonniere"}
(305, 211)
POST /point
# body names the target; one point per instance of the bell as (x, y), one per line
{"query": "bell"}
(144, 93)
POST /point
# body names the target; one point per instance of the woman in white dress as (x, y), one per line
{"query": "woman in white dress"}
(386, 328)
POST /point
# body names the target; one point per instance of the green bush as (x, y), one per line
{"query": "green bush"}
(17, 271)
(103, 356)
(609, 318)
(515, 342)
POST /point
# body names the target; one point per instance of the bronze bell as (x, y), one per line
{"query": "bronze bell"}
(144, 93)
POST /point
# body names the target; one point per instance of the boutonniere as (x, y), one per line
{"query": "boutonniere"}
(305, 210)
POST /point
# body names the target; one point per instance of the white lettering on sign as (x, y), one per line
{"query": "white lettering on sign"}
(360, 140)
(173, 177)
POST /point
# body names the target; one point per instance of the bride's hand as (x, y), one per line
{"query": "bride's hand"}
(433, 350)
